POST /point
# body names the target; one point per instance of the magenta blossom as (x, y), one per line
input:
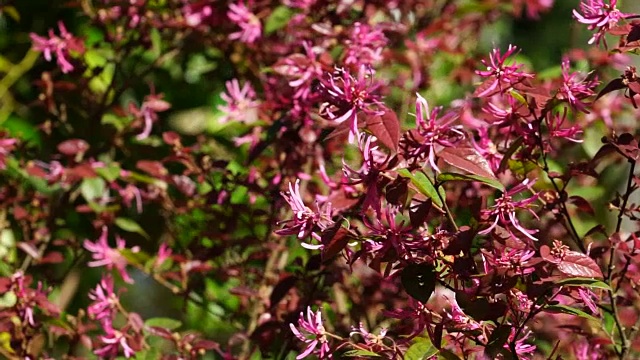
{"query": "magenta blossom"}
(600, 16)
(6, 146)
(112, 342)
(437, 132)
(575, 87)
(103, 255)
(152, 105)
(105, 301)
(60, 45)
(304, 219)
(240, 103)
(501, 76)
(349, 95)
(250, 26)
(513, 262)
(314, 335)
(504, 210)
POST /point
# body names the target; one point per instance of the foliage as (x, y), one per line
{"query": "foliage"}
(190, 179)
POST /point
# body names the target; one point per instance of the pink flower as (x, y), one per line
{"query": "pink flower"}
(575, 88)
(349, 95)
(314, 335)
(240, 103)
(488, 149)
(504, 210)
(103, 255)
(555, 124)
(152, 105)
(112, 342)
(523, 350)
(164, 253)
(598, 15)
(250, 26)
(502, 76)
(436, 133)
(514, 262)
(60, 45)
(304, 219)
(105, 301)
(365, 45)
(6, 146)
(196, 13)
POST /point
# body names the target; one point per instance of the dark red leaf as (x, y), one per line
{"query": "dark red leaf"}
(577, 264)
(281, 289)
(634, 33)
(153, 168)
(418, 214)
(53, 257)
(335, 239)
(385, 127)
(419, 281)
(582, 204)
(468, 159)
(613, 85)
(397, 191)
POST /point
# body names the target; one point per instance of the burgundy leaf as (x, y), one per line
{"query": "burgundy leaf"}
(385, 127)
(397, 191)
(281, 289)
(634, 33)
(153, 168)
(335, 239)
(576, 264)
(582, 204)
(418, 214)
(467, 159)
(613, 85)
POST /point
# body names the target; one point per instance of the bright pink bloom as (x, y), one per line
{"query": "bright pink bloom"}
(112, 342)
(555, 124)
(152, 105)
(575, 87)
(6, 146)
(502, 76)
(365, 45)
(164, 253)
(240, 103)
(513, 262)
(250, 26)
(105, 301)
(103, 255)
(60, 45)
(349, 95)
(437, 132)
(314, 334)
(304, 219)
(504, 210)
(599, 15)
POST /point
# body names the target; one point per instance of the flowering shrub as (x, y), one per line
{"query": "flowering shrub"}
(189, 179)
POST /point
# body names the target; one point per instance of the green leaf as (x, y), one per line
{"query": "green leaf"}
(166, 323)
(423, 185)
(447, 355)
(564, 309)
(585, 282)
(421, 349)
(110, 173)
(92, 188)
(134, 257)
(461, 177)
(354, 353)
(130, 226)
(278, 19)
